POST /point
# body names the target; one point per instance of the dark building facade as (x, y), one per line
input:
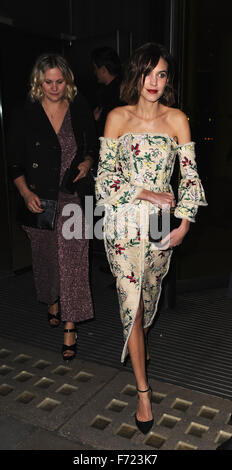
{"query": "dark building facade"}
(199, 36)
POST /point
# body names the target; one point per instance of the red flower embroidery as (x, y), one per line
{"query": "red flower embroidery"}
(190, 182)
(131, 277)
(135, 148)
(119, 249)
(116, 185)
(185, 162)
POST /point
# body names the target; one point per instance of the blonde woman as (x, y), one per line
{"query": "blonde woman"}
(138, 150)
(54, 126)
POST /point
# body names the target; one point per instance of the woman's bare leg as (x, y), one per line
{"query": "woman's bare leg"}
(69, 339)
(137, 354)
(53, 310)
(147, 354)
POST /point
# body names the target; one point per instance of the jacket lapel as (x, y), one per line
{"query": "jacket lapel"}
(39, 122)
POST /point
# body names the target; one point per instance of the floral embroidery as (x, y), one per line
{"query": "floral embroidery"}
(119, 249)
(131, 277)
(127, 165)
(116, 185)
(120, 167)
(190, 182)
(186, 162)
(135, 149)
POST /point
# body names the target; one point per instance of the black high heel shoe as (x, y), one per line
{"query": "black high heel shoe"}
(144, 426)
(72, 348)
(54, 316)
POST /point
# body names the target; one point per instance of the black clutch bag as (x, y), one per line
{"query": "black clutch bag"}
(42, 220)
(161, 224)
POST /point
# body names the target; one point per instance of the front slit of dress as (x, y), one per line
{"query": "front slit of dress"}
(149, 279)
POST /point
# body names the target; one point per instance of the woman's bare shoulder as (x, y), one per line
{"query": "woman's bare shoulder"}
(180, 125)
(121, 112)
(115, 121)
(177, 115)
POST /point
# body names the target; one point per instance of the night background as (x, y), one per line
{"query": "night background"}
(91, 404)
(199, 35)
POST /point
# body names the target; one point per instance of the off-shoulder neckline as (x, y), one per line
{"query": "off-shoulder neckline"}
(147, 133)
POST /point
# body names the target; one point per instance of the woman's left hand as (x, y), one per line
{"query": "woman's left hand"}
(176, 236)
(83, 168)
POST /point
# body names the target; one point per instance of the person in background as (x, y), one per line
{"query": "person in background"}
(107, 69)
(54, 126)
(137, 155)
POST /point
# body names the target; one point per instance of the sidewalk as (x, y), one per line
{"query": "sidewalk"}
(46, 404)
(89, 404)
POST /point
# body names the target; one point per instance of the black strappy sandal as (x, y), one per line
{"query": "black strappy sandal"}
(54, 316)
(72, 348)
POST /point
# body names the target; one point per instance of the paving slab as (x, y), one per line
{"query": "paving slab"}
(46, 404)
(13, 432)
(36, 384)
(183, 419)
(46, 440)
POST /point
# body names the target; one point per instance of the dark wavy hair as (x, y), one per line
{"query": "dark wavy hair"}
(141, 63)
(108, 57)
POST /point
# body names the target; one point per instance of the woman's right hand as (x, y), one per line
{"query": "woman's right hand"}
(31, 199)
(32, 202)
(158, 199)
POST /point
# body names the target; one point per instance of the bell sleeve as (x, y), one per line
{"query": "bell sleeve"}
(190, 191)
(112, 186)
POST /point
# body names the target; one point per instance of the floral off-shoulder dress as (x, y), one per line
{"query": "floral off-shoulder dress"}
(126, 166)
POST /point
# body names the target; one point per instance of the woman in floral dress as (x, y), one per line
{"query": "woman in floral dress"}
(138, 150)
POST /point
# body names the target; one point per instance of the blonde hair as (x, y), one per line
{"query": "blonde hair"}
(44, 63)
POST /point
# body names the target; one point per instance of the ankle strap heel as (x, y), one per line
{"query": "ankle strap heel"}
(144, 426)
(70, 349)
(144, 391)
